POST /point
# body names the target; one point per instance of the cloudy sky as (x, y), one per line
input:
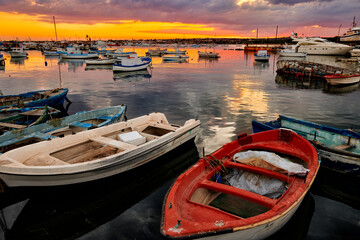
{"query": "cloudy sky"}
(126, 19)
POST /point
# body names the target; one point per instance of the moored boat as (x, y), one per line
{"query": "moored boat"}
(100, 61)
(231, 193)
(76, 53)
(60, 127)
(176, 51)
(18, 52)
(2, 60)
(94, 154)
(131, 63)
(174, 57)
(20, 118)
(342, 79)
(120, 53)
(262, 56)
(52, 97)
(208, 54)
(339, 148)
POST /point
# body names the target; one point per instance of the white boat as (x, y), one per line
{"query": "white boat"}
(94, 154)
(208, 54)
(352, 35)
(156, 52)
(131, 63)
(342, 79)
(174, 57)
(293, 51)
(320, 46)
(100, 61)
(176, 51)
(262, 56)
(120, 53)
(76, 53)
(51, 53)
(355, 52)
(18, 52)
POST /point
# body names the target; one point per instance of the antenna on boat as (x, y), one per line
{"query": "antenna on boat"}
(55, 28)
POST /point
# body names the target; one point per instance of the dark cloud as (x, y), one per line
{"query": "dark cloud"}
(293, 2)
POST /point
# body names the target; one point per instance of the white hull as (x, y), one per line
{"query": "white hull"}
(100, 61)
(324, 50)
(79, 56)
(18, 54)
(293, 54)
(342, 81)
(130, 156)
(130, 68)
(355, 53)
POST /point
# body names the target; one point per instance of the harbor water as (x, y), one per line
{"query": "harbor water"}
(225, 94)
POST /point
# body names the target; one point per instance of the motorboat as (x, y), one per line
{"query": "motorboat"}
(293, 51)
(320, 46)
(156, 52)
(131, 63)
(355, 52)
(240, 191)
(94, 154)
(342, 79)
(18, 52)
(119, 52)
(208, 54)
(352, 35)
(339, 149)
(75, 53)
(262, 56)
(174, 57)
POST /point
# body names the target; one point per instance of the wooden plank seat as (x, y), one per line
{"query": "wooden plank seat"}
(43, 159)
(12, 125)
(113, 143)
(345, 146)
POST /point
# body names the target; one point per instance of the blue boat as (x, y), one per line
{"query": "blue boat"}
(52, 98)
(61, 127)
(19, 118)
(339, 149)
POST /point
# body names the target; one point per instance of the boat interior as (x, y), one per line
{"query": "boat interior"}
(215, 191)
(17, 100)
(101, 146)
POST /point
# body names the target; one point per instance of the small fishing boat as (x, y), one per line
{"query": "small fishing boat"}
(248, 189)
(18, 52)
(208, 54)
(20, 118)
(94, 154)
(174, 57)
(156, 52)
(51, 53)
(120, 53)
(52, 97)
(131, 63)
(76, 53)
(342, 79)
(261, 56)
(176, 52)
(60, 127)
(293, 51)
(100, 61)
(339, 148)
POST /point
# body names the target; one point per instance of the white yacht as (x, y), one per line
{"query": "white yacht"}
(17, 52)
(320, 46)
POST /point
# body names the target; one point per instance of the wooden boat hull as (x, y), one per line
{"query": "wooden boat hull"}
(122, 68)
(52, 98)
(60, 173)
(331, 157)
(188, 211)
(60, 127)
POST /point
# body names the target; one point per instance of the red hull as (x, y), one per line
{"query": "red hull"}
(184, 216)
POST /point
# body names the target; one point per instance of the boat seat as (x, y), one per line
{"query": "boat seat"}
(82, 125)
(113, 143)
(11, 125)
(43, 159)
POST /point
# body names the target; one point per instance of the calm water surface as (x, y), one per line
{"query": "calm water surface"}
(225, 94)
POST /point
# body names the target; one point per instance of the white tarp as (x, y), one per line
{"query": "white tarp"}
(270, 161)
(256, 183)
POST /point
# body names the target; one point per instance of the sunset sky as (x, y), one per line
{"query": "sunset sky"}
(148, 19)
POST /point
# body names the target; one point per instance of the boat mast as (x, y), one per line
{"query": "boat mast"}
(354, 23)
(55, 28)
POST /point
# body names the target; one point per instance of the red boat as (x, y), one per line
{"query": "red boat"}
(201, 203)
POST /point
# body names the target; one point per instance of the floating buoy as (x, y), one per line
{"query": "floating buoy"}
(45, 63)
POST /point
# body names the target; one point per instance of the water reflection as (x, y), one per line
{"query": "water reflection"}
(72, 64)
(133, 76)
(71, 213)
(98, 67)
(18, 61)
(340, 89)
(300, 83)
(175, 61)
(260, 65)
